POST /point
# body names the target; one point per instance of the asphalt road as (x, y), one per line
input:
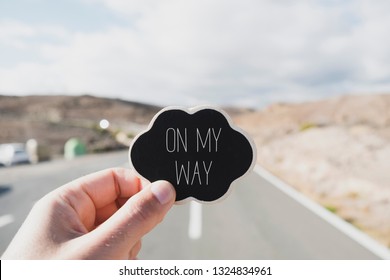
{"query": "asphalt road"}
(257, 220)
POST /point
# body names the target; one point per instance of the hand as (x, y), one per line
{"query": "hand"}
(100, 216)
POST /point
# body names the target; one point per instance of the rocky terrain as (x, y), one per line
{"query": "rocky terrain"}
(335, 151)
(52, 120)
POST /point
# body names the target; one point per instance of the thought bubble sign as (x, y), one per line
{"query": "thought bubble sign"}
(197, 150)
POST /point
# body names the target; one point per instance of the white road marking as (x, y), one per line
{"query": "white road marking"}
(349, 230)
(6, 219)
(195, 221)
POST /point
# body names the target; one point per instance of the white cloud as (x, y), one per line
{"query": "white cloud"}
(19, 35)
(190, 52)
(13, 34)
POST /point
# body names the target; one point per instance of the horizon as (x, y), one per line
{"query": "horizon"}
(222, 106)
(223, 53)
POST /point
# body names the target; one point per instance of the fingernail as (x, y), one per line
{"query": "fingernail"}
(163, 191)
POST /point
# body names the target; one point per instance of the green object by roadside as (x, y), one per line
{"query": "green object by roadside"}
(74, 147)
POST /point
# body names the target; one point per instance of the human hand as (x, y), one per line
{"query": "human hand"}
(100, 216)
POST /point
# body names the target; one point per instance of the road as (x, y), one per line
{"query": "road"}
(257, 220)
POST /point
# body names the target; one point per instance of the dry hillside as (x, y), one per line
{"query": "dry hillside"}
(336, 151)
(52, 120)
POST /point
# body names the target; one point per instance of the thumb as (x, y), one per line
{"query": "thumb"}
(140, 214)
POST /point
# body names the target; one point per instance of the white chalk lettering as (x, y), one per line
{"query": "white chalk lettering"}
(181, 140)
(170, 140)
(174, 139)
(216, 138)
(196, 173)
(207, 170)
(182, 170)
(206, 141)
(199, 175)
(199, 139)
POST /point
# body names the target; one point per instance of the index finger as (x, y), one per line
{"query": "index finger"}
(97, 190)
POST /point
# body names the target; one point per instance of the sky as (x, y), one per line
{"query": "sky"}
(193, 52)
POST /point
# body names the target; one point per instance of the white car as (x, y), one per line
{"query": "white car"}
(13, 153)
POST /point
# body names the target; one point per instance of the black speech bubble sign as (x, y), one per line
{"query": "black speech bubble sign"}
(197, 150)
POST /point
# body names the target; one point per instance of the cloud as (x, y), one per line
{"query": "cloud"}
(197, 151)
(220, 52)
(13, 33)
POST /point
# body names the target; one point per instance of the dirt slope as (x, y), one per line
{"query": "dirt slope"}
(336, 151)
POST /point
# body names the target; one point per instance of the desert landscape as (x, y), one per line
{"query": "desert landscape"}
(52, 120)
(336, 151)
